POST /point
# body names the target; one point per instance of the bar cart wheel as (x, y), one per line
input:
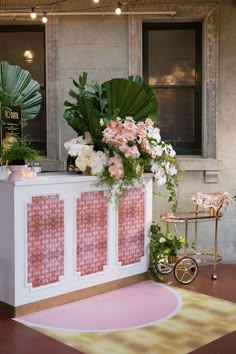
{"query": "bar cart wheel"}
(185, 270)
(213, 276)
(164, 267)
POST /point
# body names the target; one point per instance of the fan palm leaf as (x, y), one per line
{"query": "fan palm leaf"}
(133, 98)
(17, 88)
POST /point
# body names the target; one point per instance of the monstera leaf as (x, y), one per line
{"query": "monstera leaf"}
(17, 88)
(132, 98)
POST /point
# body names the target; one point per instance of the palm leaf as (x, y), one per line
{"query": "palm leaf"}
(131, 98)
(17, 88)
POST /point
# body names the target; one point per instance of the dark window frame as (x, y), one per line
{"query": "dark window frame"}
(39, 145)
(182, 148)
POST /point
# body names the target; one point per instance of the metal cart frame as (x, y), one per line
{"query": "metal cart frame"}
(186, 267)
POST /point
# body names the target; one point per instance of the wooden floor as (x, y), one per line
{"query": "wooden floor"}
(18, 339)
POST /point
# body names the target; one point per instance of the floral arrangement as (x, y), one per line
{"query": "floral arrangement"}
(213, 200)
(130, 149)
(118, 138)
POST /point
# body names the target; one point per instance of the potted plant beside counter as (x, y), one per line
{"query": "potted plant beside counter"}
(17, 153)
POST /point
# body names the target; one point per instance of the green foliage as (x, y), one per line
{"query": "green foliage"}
(131, 99)
(85, 113)
(17, 88)
(162, 245)
(19, 149)
(116, 97)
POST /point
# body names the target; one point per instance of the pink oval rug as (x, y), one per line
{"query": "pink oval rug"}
(134, 306)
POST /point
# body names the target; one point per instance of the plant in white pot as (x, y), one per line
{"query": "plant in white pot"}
(3, 172)
(16, 154)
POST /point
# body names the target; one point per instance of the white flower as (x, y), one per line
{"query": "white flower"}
(85, 157)
(170, 169)
(99, 163)
(75, 149)
(169, 150)
(157, 170)
(68, 145)
(88, 138)
(161, 180)
(158, 150)
(154, 133)
(162, 240)
(102, 122)
(159, 173)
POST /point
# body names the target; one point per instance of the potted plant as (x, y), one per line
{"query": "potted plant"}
(163, 247)
(3, 172)
(16, 153)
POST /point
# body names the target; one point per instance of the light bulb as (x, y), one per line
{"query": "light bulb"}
(118, 9)
(33, 13)
(96, 1)
(44, 18)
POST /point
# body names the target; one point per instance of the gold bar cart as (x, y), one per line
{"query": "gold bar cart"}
(185, 267)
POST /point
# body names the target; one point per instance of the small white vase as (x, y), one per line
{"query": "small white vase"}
(4, 172)
(17, 172)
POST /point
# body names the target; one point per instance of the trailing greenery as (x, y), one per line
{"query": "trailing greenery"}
(17, 88)
(18, 150)
(161, 246)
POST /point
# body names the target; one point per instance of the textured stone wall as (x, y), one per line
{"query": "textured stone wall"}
(97, 45)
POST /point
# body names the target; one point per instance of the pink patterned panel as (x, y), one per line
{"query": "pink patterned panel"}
(45, 240)
(91, 232)
(131, 226)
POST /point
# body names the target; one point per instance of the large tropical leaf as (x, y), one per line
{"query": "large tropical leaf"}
(133, 98)
(91, 116)
(123, 97)
(17, 88)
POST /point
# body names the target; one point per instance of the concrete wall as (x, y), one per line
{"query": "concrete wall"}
(97, 45)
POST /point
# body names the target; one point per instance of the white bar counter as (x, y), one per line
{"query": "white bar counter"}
(59, 235)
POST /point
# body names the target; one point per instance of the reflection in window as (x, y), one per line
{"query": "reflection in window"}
(172, 67)
(25, 46)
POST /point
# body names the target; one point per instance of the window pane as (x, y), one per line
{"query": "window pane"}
(176, 110)
(172, 62)
(36, 128)
(24, 46)
(171, 57)
(26, 50)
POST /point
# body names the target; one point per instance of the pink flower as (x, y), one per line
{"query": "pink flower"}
(116, 167)
(132, 151)
(148, 123)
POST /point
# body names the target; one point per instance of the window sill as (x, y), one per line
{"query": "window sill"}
(210, 167)
(49, 165)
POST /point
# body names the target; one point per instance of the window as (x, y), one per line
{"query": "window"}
(25, 46)
(172, 64)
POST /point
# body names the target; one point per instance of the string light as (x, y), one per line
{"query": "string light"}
(33, 13)
(118, 9)
(44, 18)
